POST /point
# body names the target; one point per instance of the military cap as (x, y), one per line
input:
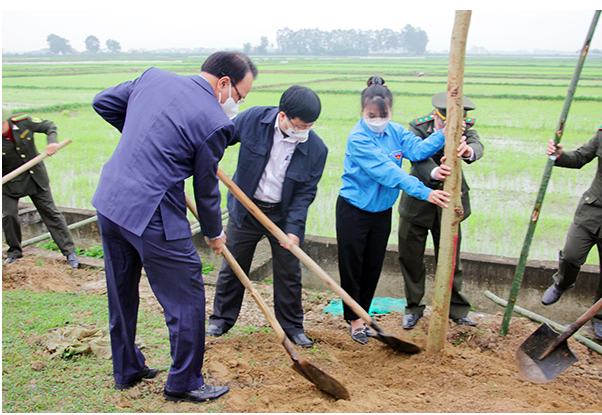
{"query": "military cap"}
(440, 103)
(6, 113)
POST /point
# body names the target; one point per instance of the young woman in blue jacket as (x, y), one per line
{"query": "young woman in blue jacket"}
(371, 183)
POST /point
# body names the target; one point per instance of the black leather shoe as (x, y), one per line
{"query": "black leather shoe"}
(465, 321)
(147, 373)
(369, 331)
(72, 260)
(301, 340)
(359, 335)
(551, 295)
(203, 394)
(214, 330)
(409, 321)
(597, 327)
(10, 260)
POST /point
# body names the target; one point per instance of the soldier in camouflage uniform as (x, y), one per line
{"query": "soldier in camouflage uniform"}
(418, 217)
(18, 147)
(586, 229)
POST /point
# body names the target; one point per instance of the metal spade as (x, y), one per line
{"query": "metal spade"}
(546, 354)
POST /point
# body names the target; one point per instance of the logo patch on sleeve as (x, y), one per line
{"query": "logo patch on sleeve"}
(398, 154)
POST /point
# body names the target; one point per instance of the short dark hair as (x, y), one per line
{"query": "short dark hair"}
(236, 65)
(378, 94)
(300, 102)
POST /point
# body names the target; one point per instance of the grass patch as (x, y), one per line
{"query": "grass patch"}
(79, 383)
(93, 252)
(98, 252)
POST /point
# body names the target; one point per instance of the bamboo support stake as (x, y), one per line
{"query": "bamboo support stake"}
(522, 262)
(31, 163)
(451, 217)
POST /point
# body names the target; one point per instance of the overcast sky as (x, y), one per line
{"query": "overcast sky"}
(228, 24)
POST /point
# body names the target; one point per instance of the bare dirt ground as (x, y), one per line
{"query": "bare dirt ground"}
(475, 372)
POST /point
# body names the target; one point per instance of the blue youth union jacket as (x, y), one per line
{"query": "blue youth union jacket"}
(373, 176)
(172, 128)
(255, 132)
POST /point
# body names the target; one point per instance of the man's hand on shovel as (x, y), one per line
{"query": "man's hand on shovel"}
(216, 244)
(292, 240)
(51, 149)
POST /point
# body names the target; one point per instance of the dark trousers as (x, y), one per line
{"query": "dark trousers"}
(229, 291)
(579, 242)
(51, 216)
(362, 238)
(412, 243)
(174, 271)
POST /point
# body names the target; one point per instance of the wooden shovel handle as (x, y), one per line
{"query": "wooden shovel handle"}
(32, 162)
(296, 250)
(245, 281)
(323, 381)
(580, 322)
(572, 329)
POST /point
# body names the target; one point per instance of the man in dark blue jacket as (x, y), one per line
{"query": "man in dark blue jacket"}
(172, 127)
(280, 163)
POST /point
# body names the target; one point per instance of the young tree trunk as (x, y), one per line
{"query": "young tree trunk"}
(451, 216)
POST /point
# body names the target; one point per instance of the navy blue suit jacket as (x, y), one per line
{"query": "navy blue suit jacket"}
(255, 132)
(172, 127)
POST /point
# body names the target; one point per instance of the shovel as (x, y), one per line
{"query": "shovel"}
(322, 380)
(32, 162)
(395, 342)
(545, 354)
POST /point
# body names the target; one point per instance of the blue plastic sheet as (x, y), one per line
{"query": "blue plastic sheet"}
(379, 305)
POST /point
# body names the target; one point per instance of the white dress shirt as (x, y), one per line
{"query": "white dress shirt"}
(270, 185)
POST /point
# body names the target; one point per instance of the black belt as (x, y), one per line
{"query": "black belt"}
(266, 206)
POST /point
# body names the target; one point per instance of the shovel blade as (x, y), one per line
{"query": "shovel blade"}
(322, 380)
(396, 343)
(529, 354)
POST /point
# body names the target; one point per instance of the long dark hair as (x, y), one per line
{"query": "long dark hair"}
(377, 94)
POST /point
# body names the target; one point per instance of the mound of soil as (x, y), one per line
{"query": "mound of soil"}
(475, 372)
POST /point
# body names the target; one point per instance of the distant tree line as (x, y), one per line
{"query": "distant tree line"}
(409, 40)
(58, 44)
(262, 49)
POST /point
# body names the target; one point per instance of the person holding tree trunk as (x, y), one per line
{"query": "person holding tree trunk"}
(417, 217)
(371, 183)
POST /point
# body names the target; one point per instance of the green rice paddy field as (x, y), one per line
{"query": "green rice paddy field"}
(518, 101)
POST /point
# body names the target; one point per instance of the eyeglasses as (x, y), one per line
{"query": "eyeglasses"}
(241, 100)
(306, 126)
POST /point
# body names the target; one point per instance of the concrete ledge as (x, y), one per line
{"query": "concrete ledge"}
(481, 272)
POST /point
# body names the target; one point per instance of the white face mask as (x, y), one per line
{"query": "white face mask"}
(377, 125)
(299, 135)
(230, 107)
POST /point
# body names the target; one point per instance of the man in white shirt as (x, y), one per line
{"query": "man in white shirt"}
(280, 163)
